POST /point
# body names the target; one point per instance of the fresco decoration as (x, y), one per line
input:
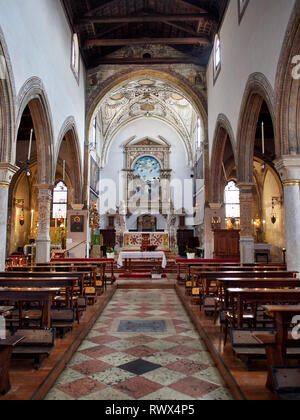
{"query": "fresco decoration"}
(147, 168)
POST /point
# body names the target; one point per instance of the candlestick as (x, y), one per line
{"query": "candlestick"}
(263, 137)
(30, 145)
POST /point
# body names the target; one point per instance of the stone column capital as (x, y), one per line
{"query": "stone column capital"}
(215, 206)
(288, 167)
(246, 187)
(7, 171)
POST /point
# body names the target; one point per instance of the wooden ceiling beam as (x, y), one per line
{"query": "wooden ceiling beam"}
(143, 19)
(148, 61)
(141, 41)
(110, 30)
(182, 28)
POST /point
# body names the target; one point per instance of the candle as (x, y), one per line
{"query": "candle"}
(263, 137)
(64, 170)
(32, 213)
(30, 145)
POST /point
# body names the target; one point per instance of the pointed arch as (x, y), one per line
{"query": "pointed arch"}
(258, 90)
(288, 88)
(223, 132)
(34, 95)
(74, 162)
(8, 104)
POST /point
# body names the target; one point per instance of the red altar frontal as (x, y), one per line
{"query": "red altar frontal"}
(136, 240)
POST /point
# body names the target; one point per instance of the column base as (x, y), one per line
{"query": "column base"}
(247, 250)
(42, 251)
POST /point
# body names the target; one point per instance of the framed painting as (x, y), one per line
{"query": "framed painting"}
(77, 224)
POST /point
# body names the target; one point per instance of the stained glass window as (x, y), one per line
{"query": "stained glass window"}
(60, 201)
(147, 168)
(232, 200)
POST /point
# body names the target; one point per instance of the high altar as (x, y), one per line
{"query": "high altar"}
(135, 240)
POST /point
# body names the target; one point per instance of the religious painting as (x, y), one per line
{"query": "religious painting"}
(94, 177)
(77, 224)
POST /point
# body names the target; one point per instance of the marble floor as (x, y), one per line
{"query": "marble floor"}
(143, 347)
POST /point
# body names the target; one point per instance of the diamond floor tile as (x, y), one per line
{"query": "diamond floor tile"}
(138, 387)
(139, 367)
(171, 363)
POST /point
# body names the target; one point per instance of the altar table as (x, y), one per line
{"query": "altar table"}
(129, 256)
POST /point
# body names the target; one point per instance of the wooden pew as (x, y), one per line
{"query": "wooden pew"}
(36, 344)
(25, 294)
(253, 283)
(188, 264)
(276, 346)
(259, 296)
(49, 281)
(205, 279)
(77, 277)
(6, 348)
(100, 263)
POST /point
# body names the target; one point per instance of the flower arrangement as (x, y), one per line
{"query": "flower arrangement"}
(190, 250)
(110, 251)
(157, 270)
(157, 273)
(191, 253)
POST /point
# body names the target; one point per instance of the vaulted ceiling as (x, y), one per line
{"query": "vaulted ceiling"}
(105, 26)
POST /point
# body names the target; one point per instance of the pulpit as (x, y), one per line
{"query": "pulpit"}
(227, 244)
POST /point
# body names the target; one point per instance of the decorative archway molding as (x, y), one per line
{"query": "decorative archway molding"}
(74, 162)
(223, 131)
(34, 95)
(118, 79)
(288, 88)
(258, 89)
(8, 104)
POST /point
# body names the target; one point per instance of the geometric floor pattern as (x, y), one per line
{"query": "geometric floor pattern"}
(156, 354)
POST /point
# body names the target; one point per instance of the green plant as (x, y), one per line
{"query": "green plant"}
(110, 250)
(157, 270)
(190, 250)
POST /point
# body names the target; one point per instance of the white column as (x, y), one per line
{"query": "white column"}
(7, 171)
(246, 239)
(289, 171)
(43, 240)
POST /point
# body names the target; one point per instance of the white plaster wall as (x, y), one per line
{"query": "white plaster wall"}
(253, 46)
(141, 128)
(39, 39)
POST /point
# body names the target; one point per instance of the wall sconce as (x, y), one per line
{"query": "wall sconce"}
(216, 223)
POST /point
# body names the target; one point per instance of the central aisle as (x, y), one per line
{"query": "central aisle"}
(143, 347)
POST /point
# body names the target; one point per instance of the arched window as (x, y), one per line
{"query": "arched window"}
(217, 53)
(199, 133)
(60, 201)
(75, 55)
(232, 201)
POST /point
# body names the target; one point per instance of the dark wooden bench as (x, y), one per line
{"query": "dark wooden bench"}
(287, 382)
(62, 319)
(248, 348)
(37, 343)
(29, 294)
(6, 348)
